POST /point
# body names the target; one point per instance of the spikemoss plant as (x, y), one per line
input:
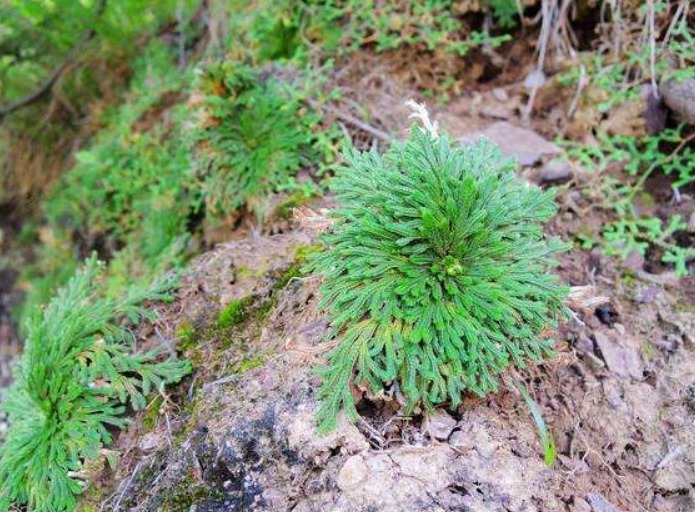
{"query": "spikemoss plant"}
(436, 273)
(78, 371)
(252, 140)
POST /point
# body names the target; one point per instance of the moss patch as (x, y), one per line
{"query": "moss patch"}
(233, 313)
(248, 364)
(186, 335)
(186, 494)
(151, 414)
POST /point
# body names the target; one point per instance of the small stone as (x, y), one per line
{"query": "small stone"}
(676, 477)
(353, 473)
(496, 111)
(669, 342)
(460, 441)
(430, 466)
(500, 94)
(584, 344)
(595, 363)
(622, 360)
(580, 505)
(600, 504)
(647, 294)
(555, 170)
(441, 425)
(535, 79)
(679, 96)
(487, 449)
(150, 442)
(655, 113)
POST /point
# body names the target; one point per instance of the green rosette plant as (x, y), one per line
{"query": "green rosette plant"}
(78, 372)
(436, 273)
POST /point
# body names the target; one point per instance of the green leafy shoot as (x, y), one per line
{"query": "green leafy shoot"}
(436, 273)
(252, 141)
(640, 158)
(79, 370)
(547, 441)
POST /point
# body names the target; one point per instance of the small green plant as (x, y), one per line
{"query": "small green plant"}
(640, 158)
(546, 437)
(253, 139)
(292, 29)
(436, 273)
(78, 371)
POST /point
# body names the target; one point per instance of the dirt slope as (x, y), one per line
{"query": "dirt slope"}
(239, 435)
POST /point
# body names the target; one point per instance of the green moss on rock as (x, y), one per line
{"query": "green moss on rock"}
(233, 313)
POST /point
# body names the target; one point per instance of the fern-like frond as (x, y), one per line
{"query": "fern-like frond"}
(76, 375)
(436, 273)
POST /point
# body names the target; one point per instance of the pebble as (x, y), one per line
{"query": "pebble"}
(599, 503)
(580, 505)
(555, 170)
(500, 94)
(679, 96)
(150, 442)
(353, 473)
(647, 294)
(622, 360)
(441, 425)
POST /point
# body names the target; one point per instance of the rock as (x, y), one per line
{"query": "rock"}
(535, 79)
(303, 438)
(595, 362)
(441, 425)
(622, 360)
(496, 111)
(500, 94)
(428, 465)
(655, 113)
(584, 343)
(353, 473)
(580, 505)
(600, 504)
(677, 476)
(525, 145)
(647, 294)
(555, 170)
(679, 96)
(684, 322)
(474, 439)
(150, 442)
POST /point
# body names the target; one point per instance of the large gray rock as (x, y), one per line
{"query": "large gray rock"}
(526, 146)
